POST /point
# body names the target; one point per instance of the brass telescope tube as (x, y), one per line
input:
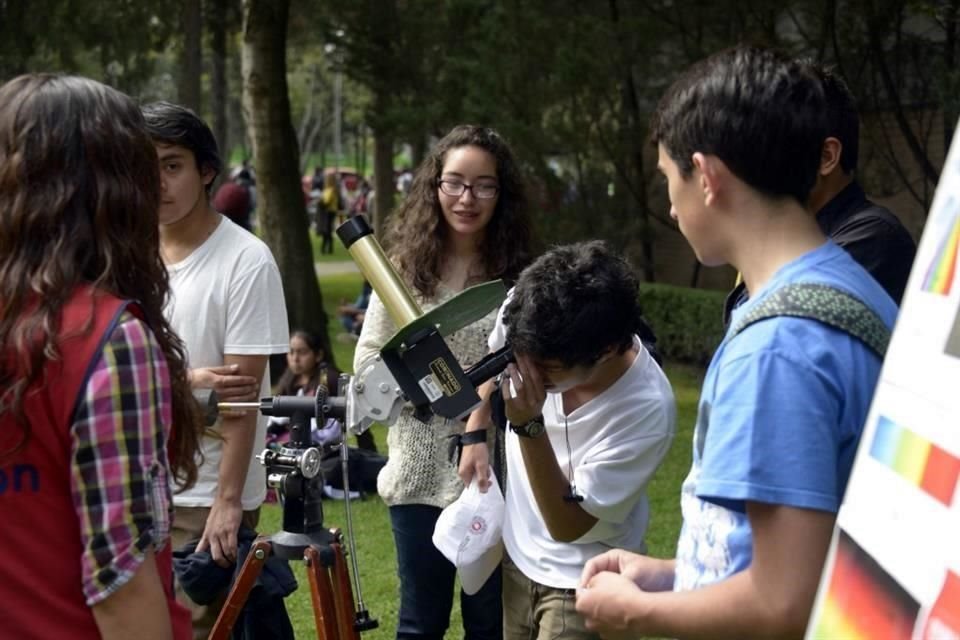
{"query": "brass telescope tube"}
(358, 238)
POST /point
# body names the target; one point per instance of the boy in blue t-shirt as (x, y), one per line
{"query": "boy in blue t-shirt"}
(784, 400)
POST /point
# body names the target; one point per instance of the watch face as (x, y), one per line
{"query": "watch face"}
(534, 429)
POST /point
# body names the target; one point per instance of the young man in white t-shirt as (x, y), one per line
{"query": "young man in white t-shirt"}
(591, 417)
(227, 306)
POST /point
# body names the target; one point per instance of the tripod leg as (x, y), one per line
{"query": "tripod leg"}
(249, 573)
(343, 594)
(321, 590)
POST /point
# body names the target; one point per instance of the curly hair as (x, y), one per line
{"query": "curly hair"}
(79, 193)
(416, 233)
(573, 304)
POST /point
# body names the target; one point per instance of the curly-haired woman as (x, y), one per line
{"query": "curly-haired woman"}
(464, 222)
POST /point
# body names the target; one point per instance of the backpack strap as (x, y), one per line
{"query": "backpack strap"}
(831, 306)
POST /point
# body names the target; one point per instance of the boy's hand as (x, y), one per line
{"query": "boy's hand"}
(650, 574)
(609, 604)
(220, 532)
(225, 381)
(613, 587)
(526, 401)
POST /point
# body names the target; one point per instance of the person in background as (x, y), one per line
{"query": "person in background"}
(463, 222)
(404, 181)
(352, 314)
(316, 182)
(327, 208)
(227, 305)
(371, 202)
(232, 199)
(360, 203)
(247, 176)
(871, 234)
(97, 422)
(307, 369)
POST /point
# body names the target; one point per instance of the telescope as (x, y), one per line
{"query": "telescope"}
(414, 366)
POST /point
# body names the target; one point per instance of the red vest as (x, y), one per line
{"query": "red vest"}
(40, 582)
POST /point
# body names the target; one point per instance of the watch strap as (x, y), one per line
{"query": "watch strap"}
(523, 430)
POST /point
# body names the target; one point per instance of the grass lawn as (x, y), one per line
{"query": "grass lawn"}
(373, 536)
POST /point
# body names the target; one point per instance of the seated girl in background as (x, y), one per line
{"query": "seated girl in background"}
(307, 368)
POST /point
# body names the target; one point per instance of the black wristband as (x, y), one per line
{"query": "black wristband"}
(473, 437)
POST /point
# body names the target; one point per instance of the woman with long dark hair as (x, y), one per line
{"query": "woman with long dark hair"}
(96, 419)
(463, 222)
(307, 369)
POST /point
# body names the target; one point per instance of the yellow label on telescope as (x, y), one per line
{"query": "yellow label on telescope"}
(445, 377)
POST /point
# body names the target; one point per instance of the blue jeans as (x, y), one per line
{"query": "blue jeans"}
(427, 579)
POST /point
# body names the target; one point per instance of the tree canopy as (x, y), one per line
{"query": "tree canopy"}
(570, 84)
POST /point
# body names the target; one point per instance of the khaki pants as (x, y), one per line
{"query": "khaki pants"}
(188, 524)
(532, 611)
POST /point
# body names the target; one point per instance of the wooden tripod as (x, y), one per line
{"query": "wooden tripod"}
(331, 593)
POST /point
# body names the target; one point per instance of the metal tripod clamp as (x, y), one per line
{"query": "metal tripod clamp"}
(306, 461)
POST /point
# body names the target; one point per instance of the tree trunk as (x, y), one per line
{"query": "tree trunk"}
(281, 211)
(950, 112)
(383, 27)
(418, 149)
(218, 78)
(362, 162)
(191, 58)
(235, 117)
(383, 178)
(635, 197)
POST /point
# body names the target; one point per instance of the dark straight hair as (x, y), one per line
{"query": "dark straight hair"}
(173, 124)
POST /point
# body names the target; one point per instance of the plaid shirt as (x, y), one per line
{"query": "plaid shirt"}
(120, 476)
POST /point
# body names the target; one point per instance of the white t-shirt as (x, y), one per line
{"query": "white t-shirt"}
(227, 298)
(617, 441)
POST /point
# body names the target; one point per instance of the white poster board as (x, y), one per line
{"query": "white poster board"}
(893, 570)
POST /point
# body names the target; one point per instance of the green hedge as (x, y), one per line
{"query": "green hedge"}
(688, 322)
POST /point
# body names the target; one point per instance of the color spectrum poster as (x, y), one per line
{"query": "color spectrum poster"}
(893, 570)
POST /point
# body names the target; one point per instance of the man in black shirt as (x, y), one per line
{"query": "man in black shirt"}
(871, 234)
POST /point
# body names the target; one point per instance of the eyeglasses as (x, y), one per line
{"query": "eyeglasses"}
(456, 188)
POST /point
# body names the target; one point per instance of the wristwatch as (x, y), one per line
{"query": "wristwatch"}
(532, 429)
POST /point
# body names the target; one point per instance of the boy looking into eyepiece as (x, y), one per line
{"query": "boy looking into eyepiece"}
(591, 417)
